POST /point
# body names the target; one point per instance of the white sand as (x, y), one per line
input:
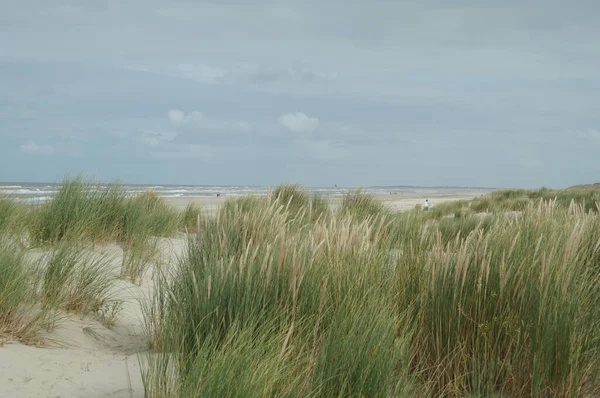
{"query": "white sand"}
(398, 202)
(82, 358)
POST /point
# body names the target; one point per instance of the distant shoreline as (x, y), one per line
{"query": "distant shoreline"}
(397, 202)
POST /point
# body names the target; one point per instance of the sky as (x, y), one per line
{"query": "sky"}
(356, 92)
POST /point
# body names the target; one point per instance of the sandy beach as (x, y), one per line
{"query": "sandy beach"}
(395, 202)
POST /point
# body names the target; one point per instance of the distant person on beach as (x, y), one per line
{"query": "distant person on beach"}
(426, 204)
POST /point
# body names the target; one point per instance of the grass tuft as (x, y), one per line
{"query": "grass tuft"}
(18, 319)
(75, 280)
(362, 205)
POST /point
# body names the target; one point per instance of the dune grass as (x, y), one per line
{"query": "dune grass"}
(517, 201)
(296, 200)
(190, 219)
(76, 280)
(13, 218)
(86, 212)
(361, 205)
(270, 301)
(261, 267)
(16, 295)
(278, 296)
(292, 196)
(510, 311)
(7, 210)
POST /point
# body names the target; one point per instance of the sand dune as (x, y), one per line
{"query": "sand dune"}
(83, 358)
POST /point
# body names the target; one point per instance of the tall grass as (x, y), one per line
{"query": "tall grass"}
(518, 201)
(260, 267)
(190, 219)
(82, 211)
(16, 295)
(297, 201)
(7, 210)
(291, 196)
(75, 280)
(361, 205)
(278, 296)
(361, 305)
(319, 207)
(513, 311)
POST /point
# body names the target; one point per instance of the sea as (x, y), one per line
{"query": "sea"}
(42, 192)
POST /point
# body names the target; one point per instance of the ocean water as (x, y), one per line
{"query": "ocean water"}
(42, 192)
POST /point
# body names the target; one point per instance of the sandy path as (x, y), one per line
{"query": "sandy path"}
(84, 358)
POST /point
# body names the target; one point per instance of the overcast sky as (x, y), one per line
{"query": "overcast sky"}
(353, 92)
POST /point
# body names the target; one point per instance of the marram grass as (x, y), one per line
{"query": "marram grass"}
(279, 296)
(372, 304)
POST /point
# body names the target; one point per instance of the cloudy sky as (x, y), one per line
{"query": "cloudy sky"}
(354, 92)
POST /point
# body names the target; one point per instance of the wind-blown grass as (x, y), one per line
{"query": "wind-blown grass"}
(278, 296)
(291, 196)
(264, 268)
(512, 311)
(16, 295)
(75, 280)
(361, 205)
(319, 207)
(7, 210)
(518, 201)
(84, 212)
(190, 219)
(364, 305)
(296, 202)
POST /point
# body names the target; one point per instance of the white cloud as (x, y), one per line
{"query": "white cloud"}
(32, 148)
(593, 135)
(193, 151)
(323, 150)
(242, 126)
(179, 118)
(176, 116)
(61, 147)
(262, 74)
(156, 138)
(299, 122)
(201, 73)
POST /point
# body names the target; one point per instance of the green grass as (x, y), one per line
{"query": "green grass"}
(319, 207)
(7, 210)
(298, 203)
(279, 296)
(85, 212)
(293, 197)
(510, 309)
(190, 219)
(75, 280)
(361, 205)
(417, 303)
(261, 267)
(518, 201)
(17, 318)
